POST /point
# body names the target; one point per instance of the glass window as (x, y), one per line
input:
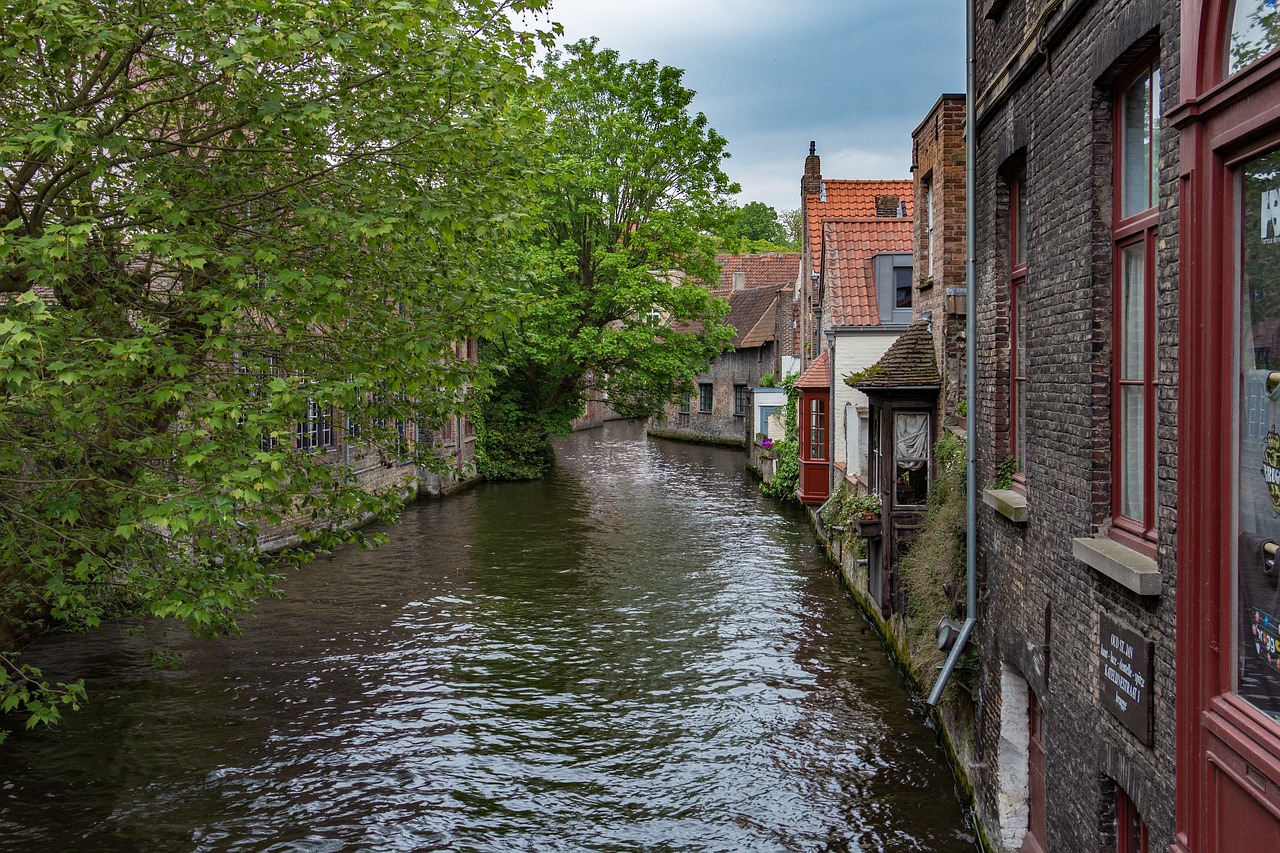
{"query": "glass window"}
(873, 450)
(1255, 31)
(1133, 396)
(817, 429)
(1257, 599)
(911, 458)
(1018, 324)
(1140, 143)
(740, 400)
(686, 402)
(704, 397)
(902, 287)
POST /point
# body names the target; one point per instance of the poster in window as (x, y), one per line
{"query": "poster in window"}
(1257, 595)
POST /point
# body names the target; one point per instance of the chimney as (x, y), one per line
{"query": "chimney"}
(812, 180)
(739, 280)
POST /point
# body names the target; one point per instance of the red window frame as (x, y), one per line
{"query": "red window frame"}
(1018, 322)
(1136, 229)
(817, 429)
(1131, 829)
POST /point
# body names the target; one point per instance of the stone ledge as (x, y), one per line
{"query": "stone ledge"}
(1133, 571)
(1012, 505)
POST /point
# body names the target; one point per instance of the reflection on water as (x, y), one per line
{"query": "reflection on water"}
(637, 653)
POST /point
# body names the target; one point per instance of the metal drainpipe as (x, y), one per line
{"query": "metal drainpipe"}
(971, 372)
(831, 413)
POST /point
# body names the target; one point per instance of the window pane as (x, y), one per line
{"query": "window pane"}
(1257, 604)
(1133, 311)
(1136, 165)
(902, 287)
(1255, 30)
(1132, 451)
(1020, 218)
(911, 458)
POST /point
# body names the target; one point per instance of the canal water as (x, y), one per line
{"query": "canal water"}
(636, 653)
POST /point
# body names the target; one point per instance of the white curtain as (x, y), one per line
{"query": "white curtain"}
(911, 433)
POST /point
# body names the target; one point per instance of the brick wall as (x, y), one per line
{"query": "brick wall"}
(939, 257)
(1041, 607)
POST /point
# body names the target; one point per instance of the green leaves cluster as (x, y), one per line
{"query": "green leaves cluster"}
(618, 260)
(215, 218)
(786, 478)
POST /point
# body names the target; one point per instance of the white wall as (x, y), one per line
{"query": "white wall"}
(854, 351)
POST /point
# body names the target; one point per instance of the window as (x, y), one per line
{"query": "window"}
(873, 450)
(315, 430)
(893, 288)
(910, 458)
(686, 402)
(704, 397)
(1018, 320)
(930, 237)
(740, 400)
(902, 287)
(1036, 828)
(1255, 31)
(1131, 829)
(1133, 398)
(817, 429)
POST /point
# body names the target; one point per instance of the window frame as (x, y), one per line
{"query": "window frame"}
(739, 401)
(1018, 322)
(1135, 229)
(817, 417)
(706, 397)
(315, 428)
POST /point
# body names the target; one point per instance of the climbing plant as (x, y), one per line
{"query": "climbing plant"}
(786, 479)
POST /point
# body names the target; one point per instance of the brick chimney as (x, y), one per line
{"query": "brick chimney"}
(811, 183)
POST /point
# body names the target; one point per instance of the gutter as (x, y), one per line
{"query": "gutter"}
(971, 375)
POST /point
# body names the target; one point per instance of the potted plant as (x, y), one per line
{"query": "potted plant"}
(865, 511)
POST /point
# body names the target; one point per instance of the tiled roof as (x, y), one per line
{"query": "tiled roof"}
(909, 362)
(848, 246)
(819, 374)
(772, 269)
(850, 199)
(751, 313)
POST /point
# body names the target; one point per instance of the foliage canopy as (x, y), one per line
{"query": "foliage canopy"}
(618, 262)
(214, 216)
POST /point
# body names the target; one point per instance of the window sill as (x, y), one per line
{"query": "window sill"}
(1133, 571)
(1012, 505)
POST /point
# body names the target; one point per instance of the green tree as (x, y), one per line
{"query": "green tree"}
(792, 223)
(214, 218)
(758, 221)
(619, 310)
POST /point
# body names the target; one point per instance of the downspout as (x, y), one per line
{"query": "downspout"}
(971, 368)
(831, 414)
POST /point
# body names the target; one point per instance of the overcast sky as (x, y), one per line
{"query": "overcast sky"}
(857, 76)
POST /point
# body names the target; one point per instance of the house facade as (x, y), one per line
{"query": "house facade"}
(1077, 186)
(720, 407)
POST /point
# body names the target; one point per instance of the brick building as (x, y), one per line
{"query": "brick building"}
(1076, 190)
(720, 408)
(938, 167)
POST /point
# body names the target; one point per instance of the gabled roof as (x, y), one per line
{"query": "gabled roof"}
(908, 363)
(751, 314)
(851, 199)
(848, 246)
(818, 376)
(771, 269)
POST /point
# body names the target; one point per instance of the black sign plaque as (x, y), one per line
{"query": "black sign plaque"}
(1124, 675)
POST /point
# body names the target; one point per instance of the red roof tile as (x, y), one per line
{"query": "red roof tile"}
(772, 269)
(848, 246)
(850, 199)
(818, 375)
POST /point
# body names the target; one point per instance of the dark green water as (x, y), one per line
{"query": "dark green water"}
(638, 653)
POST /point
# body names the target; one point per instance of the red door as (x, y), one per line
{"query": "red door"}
(1035, 840)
